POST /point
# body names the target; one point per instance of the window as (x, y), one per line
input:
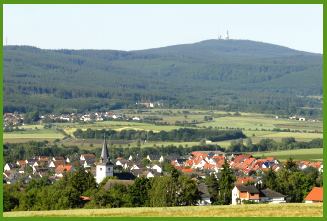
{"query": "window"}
(100, 169)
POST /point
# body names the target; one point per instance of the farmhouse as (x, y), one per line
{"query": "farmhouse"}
(251, 193)
(242, 192)
(315, 195)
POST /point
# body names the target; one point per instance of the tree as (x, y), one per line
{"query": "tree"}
(163, 192)
(226, 184)
(139, 192)
(290, 165)
(213, 187)
(270, 180)
(82, 180)
(188, 191)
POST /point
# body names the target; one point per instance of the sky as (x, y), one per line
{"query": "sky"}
(134, 27)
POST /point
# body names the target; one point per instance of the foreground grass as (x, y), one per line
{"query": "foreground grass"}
(254, 210)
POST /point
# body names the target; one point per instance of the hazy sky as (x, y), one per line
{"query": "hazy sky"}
(130, 27)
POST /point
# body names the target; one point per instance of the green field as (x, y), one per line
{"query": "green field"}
(252, 125)
(254, 210)
(31, 133)
(300, 154)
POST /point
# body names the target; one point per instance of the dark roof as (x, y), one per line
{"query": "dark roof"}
(249, 189)
(124, 176)
(270, 193)
(181, 161)
(104, 152)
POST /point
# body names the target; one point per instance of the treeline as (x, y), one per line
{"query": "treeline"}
(272, 145)
(182, 134)
(14, 152)
(172, 189)
(18, 151)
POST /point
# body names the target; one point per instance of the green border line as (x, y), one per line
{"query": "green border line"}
(324, 2)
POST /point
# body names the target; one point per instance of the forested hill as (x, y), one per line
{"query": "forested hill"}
(233, 75)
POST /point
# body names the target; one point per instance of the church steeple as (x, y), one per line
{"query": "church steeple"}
(104, 158)
(104, 168)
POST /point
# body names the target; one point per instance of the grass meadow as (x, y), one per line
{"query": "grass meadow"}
(252, 210)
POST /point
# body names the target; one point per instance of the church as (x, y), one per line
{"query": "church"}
(105, 167)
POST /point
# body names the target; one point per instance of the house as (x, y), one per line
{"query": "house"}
(9, 166)
(21, 162)
(301, 119)
(204, 194)
(157, 168)
(136, 118)
(270, 196)
(242, 192)
(87, 156)
(61, 169)
(161, 159)
(315, 195)
(135, 167)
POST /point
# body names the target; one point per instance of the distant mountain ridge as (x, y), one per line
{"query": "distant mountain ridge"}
(235, 75)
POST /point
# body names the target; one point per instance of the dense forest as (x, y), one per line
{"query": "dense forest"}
(182, 134)
(231, 75)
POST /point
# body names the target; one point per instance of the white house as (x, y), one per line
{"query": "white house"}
(301, 119)
(149, 175)
(136, 118)
(52, 165)
(135, 167)
(161, 159)
(157, 168)
(200, 165)
(9, 166)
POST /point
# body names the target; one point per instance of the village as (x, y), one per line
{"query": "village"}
(198, 165)
(18, 119)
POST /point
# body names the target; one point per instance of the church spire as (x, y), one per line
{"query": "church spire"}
(104, 158)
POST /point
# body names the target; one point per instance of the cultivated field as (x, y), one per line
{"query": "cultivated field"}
(300, 154)
(254, 125)
(254, 210)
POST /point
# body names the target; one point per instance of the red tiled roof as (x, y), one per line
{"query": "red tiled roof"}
(61, 168)
(316, 194)
(21, 162)
(244, 180)
(187, 170)
(199, 154)
(85, 198)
